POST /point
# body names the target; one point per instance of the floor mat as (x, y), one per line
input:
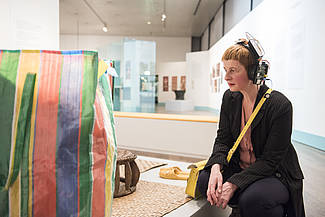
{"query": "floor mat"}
(150, 199)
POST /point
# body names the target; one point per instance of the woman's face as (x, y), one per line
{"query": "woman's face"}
(236, 75)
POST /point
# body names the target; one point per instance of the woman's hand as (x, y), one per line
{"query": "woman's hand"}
(215, 180)
(228, 190)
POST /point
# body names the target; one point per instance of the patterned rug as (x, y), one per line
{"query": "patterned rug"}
(150, 199)
(145, 165)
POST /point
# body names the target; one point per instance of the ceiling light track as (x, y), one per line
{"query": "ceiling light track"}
(197, 7)
(97, 15)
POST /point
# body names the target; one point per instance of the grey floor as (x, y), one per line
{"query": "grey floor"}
(313, 165)
(312, 162)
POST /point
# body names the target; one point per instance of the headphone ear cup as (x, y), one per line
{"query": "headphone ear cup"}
(252, 71)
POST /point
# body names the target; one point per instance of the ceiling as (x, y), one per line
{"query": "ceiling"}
(130, 17)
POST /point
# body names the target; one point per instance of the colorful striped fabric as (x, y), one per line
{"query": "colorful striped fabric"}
(57, 137)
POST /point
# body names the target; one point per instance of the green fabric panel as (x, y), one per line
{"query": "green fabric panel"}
(8, 73)
(27, 96)
(4, 203)
(106, 90)
(24, 113)
(87, 121)
(9, 64)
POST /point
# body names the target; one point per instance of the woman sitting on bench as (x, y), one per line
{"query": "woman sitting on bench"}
(263, 177)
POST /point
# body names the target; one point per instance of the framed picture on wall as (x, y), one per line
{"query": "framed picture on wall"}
(183, 82)
(218, 70)
(174, 83)
(165, 83)
(215, 85)
(213, 71)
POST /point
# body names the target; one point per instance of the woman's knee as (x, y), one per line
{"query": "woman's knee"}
(263, 198)
(268, 192)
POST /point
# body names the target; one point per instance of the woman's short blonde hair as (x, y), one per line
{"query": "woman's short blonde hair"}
(240, 53)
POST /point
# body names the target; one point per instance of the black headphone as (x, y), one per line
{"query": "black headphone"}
(257, 71)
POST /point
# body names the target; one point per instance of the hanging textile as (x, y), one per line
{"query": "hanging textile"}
(58, 145)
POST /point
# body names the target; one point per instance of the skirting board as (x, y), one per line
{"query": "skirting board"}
(164, 155)
(309, 139)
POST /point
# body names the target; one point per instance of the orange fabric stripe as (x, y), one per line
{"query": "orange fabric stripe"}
(99, 159)
(44, 171)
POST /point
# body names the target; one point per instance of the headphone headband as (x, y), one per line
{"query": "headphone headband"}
(257, 72)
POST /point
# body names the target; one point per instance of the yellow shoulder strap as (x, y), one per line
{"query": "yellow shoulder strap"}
(250, 120)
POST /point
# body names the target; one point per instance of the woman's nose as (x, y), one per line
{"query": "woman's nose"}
(227, 76)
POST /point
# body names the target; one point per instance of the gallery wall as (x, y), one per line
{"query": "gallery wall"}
(166, 71)
(197, 72)
(293, 43)
(25, 26)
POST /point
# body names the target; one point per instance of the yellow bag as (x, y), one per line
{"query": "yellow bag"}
(191, 189)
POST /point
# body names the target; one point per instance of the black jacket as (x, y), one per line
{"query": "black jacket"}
(271, 139)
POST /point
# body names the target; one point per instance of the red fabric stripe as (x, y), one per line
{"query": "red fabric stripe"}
(111, 82)
(99, 155)
(51, 51)
(44, 173)
(1, 55)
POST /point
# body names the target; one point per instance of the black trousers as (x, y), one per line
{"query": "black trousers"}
(264, 198)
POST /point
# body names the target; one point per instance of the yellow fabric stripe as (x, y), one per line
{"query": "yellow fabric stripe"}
(109, 174)
(31, 142)
(31, 147)
(21, 76)
(31, 51)
(29, 63)
(193, 118)
(14, 198)
(14, 126)
(251, 118)
(102, 67)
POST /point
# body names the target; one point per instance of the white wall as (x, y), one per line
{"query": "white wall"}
(169, 69)
(169, 49)
(30, 24)
(293, 41)
(181, 138)
(197, 71)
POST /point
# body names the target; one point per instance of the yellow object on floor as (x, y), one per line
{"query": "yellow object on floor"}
(173, 173)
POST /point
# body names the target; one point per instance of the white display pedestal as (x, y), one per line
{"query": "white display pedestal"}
(179, 105)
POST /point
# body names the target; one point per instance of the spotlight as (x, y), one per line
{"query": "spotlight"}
(148, 22)
(105, 28)
(163, 17)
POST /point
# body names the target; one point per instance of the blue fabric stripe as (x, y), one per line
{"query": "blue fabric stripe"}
(68, 133)
(71, 52)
